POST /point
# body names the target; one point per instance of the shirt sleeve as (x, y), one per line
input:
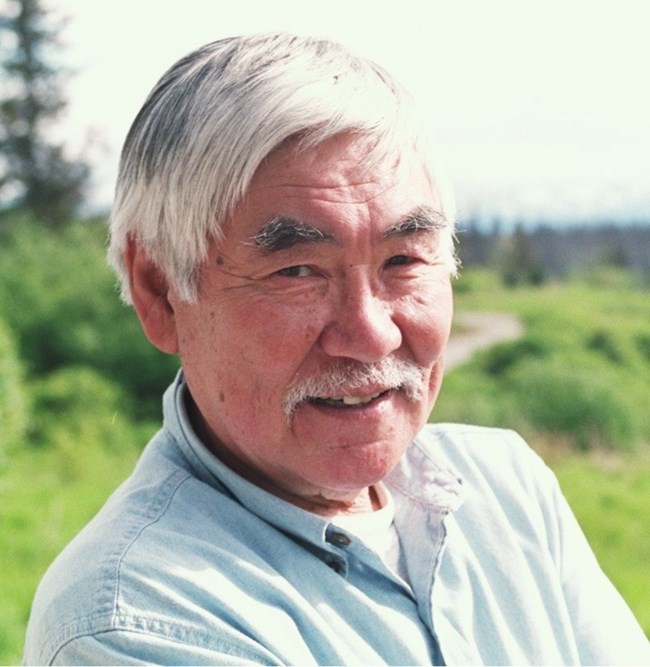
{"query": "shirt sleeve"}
(605, 629)
(119, 647)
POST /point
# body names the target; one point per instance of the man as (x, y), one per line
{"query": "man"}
(278, 226)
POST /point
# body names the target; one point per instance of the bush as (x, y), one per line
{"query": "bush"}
(607, 345)
(502, 357)
(642, 343)
(13, 401)
(581, 401)
(517, 260)
(61, 301)
(76, 409)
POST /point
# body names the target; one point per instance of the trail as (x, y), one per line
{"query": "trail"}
(482, 330)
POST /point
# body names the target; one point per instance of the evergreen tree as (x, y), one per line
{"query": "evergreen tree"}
(517, 260)
(35, 175)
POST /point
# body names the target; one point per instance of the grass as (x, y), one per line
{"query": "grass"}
(42, 506)
(582, 369)
(610, 497)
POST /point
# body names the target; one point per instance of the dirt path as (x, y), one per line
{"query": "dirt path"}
(481, 330)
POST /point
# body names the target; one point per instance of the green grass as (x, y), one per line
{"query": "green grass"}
(44, 501)
(611, 497)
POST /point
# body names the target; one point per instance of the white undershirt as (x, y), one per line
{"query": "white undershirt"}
(377, 530)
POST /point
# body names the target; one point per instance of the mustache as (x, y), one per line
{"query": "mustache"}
(345, 376)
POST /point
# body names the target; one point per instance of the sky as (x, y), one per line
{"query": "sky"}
(541, 109)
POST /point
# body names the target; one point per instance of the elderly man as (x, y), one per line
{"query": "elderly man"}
(278, 226)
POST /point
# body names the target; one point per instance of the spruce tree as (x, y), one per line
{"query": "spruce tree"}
(36, 176)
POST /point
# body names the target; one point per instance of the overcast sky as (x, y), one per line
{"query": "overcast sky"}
(541, 108)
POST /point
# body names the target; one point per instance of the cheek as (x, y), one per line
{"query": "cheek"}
(274, 339)
(427, 319)
(269, 350)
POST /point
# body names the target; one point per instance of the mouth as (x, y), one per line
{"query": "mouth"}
(347, 401)
(357, 387)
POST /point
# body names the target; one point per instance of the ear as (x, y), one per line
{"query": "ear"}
(150, 295)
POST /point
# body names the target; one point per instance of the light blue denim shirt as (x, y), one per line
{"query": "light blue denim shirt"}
(188, 563)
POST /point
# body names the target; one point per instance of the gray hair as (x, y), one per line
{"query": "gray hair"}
(210, 121)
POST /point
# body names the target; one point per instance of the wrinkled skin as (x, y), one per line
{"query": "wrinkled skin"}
(264, 319)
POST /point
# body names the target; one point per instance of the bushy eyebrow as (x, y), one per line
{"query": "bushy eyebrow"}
(282, 233)
(421, 219)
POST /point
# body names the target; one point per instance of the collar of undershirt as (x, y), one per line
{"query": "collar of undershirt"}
(374, 528)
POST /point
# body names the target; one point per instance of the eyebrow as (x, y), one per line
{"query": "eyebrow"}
(421, 219)
(282, 233)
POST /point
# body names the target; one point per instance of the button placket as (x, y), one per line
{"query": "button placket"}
(340, 540)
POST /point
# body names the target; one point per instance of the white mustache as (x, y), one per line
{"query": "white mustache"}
(345, 376)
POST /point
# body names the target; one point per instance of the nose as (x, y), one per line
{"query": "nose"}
(361, 325)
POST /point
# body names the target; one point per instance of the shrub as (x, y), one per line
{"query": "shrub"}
(62, 304)
(75, 409)
(606, 344)
(517, 260)
(502, 357)
(642, 343)
(580, 400)
(13, 401)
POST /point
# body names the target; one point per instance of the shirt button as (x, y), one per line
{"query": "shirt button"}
(334, 565)
(341, 539)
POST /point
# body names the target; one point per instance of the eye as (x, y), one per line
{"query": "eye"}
(399, 260)
(298, 271)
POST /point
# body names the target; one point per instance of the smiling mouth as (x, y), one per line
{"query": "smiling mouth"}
(346, 401)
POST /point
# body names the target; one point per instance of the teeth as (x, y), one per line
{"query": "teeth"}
(357, 400)
(351, 400)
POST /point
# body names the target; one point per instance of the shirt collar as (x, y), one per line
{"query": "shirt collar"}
(426, 478)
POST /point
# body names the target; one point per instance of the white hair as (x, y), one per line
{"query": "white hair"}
(210, 121)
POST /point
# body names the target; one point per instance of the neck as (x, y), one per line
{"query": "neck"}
(367, 500)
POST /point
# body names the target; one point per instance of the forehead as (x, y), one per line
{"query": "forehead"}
(332, 175)
(332, 163)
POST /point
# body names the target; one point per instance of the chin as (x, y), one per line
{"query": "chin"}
(360, 468)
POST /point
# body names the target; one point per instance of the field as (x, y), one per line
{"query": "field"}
(72, 363)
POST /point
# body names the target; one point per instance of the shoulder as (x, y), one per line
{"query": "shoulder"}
(81, 594)
(141, 574)
(496, 468)
(470, 439)
(477, 452)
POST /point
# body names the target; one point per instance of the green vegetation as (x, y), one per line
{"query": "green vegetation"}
(579, 376)
(13, 408)
(59, 298)
(36, 175)
(45, 499)
(80, 391)
(610, 495)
